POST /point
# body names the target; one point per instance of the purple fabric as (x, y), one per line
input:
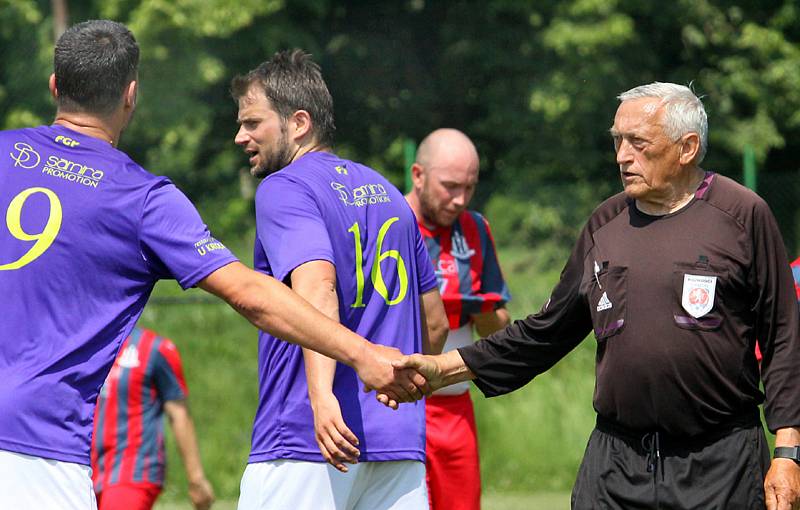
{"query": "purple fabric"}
(68, 310)
(312, 210)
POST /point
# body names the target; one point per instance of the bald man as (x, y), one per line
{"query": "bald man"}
(460, 244)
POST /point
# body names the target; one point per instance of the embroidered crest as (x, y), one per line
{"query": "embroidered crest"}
(698, 294)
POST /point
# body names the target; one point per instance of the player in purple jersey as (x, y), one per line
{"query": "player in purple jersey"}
(344, 238)
(87, 234)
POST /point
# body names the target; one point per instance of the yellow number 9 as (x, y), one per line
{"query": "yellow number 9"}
(44, 238)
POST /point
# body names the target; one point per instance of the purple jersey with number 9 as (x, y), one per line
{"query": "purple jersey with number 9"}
(85, 233)
(322, 207)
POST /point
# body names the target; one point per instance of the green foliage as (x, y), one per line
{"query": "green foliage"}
(532, 82)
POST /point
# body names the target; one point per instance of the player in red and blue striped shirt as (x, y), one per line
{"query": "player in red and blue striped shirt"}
(145, 382)
(474, 293)
(796, 274)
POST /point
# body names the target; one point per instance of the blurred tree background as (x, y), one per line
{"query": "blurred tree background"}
(532, 82)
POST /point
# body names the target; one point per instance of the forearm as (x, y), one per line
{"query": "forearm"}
(789, 436)
(434, 322)
(186, 441)
(274, 308)
(488, 323)
(452, 368)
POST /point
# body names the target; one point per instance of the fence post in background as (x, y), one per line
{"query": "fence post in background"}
(409, 155)
(750, 170)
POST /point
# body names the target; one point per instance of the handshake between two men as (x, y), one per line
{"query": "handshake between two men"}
(411, 377)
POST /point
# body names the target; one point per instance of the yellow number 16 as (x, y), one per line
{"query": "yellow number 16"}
(44, 238)
(375, 274)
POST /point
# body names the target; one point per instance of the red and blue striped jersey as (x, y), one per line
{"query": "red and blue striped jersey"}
(796, 274)
(464, 256)
(128, 438)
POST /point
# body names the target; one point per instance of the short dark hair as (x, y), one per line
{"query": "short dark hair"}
(94, 61)
(292, 81)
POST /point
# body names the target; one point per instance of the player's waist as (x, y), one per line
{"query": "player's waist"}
(637, 438)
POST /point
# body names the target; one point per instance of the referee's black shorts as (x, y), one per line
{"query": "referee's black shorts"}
(622, 470)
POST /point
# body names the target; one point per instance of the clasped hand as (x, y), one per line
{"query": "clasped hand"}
(398, 378)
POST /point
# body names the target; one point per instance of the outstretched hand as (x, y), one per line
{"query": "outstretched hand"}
(398, 385)
(421, 366)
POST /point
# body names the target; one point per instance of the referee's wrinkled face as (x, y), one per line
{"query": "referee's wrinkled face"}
(649, 161)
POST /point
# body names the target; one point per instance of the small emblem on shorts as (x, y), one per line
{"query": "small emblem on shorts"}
(604, 303)
(698, 294)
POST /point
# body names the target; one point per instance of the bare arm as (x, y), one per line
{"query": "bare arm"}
(440, 370)
(273, 307)
(434, 322)
(489, 322)
(200, 490)
(316, 282)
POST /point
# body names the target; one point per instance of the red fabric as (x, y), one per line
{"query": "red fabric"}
(134, 406)
(453, 468)
(140, 496)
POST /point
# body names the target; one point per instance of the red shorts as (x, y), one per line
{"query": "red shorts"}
(137, 496)
(453, 468)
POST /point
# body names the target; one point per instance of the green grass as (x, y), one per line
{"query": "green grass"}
(531, 440)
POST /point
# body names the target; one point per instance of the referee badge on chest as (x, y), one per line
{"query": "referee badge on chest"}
(698, 294)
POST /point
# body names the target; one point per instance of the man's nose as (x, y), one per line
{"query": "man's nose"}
(624, 152)
(241, 137)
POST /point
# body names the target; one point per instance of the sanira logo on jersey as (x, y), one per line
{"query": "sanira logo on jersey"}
(698, 293)
(55, 166)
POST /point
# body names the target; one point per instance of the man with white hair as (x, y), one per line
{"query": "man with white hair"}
(678, 276)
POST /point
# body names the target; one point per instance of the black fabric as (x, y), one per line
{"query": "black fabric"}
(656, 471)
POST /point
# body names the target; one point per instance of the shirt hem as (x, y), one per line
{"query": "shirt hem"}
(384, 456)
(44, 453)
(191, 280)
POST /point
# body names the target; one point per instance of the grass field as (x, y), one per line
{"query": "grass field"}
(531, 440)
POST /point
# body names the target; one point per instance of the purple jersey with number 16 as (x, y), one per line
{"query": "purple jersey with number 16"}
(85, 233)
(322, 207)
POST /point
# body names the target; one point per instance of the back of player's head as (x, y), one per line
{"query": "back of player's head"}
(291, 81)
(684, 112)
(94, 61)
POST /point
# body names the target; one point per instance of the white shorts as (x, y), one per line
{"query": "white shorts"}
(299, 485)
(28, 482)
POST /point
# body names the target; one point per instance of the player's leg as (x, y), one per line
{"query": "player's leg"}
(295, 485)
(393, 485)
(613, 475)
(128, 497)
(453, 467)
(44, 484)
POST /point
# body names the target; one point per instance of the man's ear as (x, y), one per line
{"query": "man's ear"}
(417, 175)
(52, 85)
(130, 94)
(300, 125)
(690, 148)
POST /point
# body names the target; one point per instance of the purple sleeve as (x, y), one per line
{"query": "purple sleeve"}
(290, 226)
(426, 277)
(175, 242)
